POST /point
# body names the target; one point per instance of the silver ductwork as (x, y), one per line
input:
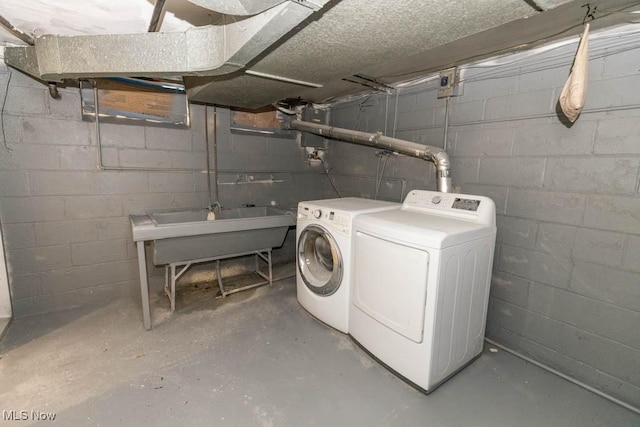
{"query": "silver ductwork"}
(202, 51)
(436, 155)
(237, 7)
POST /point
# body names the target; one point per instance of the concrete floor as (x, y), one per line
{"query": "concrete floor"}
(257, 359)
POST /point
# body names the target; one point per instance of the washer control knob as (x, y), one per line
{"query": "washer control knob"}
(317, 213)
(436, 200)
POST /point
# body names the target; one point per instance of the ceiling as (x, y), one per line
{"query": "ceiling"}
(314, 50)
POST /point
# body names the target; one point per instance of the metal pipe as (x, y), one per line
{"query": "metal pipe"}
(157, 17)
(564, 376)
(436, 155)
(206, 138)
(446, 124)
(28, 39)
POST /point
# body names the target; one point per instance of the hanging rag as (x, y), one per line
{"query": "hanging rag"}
(574, 92)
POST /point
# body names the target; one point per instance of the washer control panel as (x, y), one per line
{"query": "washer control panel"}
(334, 218)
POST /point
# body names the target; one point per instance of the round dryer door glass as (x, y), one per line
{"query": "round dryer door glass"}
(319, 260)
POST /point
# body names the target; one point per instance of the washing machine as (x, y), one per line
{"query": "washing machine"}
(324, 246)
(420, 284)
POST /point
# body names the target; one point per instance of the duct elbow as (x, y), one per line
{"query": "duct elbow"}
(443, 171)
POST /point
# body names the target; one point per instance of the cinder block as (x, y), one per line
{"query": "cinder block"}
(464, 170)
(144, 158)
(621, 64)
(631, 259)
(121, 136)
(247, 144)
(484, 142)
(600, 175)
(62, 183)
(189, 160)
(74, 298)
(72, 278)
(540, 139)
(87, 207)
(598, 246)
(606, 320)
(30, 157)
(12, 130)
(406, 103)
(613, 92)
(25, 286)
(516, 231)
(162, 138)
(14, 184)
(78, 158)
(618, 136)
(200, 181)
(418, 119)
(496, 193)
(606, 284)
(121, 182)
(153, 202)
(21, 79)
(558, 207)
(465, 112)
(61, 232)
(110, 158)
(483, 89)
(168, 182)
(583, 346)
(531, 81)
(536, 266)
(589, 375)
(31, 209)
(521, 172)
(510, 288)
(520, 105)
(556, 239)
(98, 252)
(36, 130)
(31, 260)
(197, 121)
(27, 100)
(68, 106)
(613, 213)
(18, 236)
(113, 228)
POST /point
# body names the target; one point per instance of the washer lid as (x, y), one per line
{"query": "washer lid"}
(420, 229)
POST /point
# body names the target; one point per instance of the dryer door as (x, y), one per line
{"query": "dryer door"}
(319, 260)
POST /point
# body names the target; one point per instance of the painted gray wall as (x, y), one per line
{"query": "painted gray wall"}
(566, 279)
(65, 222)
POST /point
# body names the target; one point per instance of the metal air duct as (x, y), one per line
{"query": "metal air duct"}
(202, 51)
(436, 155)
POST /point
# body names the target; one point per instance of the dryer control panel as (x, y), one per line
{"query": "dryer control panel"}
(478, 209)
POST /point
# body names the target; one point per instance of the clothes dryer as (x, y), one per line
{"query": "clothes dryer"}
(420, 281)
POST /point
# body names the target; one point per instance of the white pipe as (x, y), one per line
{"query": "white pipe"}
(433, 154)
(565, 377)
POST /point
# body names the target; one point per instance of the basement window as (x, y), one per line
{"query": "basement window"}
(267, 122)
(123, 100)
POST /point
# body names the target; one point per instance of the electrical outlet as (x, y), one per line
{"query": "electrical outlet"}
(448, 82)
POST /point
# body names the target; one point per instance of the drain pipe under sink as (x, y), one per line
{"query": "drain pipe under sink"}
(436, 155)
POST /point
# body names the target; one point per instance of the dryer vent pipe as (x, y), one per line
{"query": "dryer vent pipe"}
(436, 155)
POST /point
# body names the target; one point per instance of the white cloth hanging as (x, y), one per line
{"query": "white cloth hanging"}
(574, 92)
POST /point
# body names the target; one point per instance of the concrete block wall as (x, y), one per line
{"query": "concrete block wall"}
(566, 279)
(65, 222)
